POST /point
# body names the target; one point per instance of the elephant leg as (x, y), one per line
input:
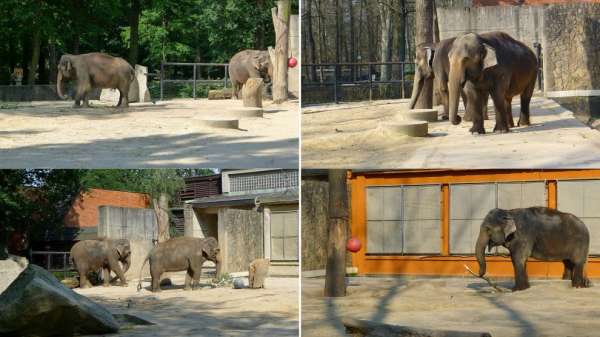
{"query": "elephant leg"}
(120, 98)
(83, 280)
(124, 96)
(484, 106)
(444, 99)
(468, 113)
(105, 277)
(525, 101)
(85, 100)
(155, 274)
(188, 279)
(79, 97)
(113, 264)
(579, 280)
(501, 111)
(509, 116)
(568, 273)
(473, 108)
(519, 261)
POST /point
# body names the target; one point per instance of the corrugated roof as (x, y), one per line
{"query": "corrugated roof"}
(222, 200)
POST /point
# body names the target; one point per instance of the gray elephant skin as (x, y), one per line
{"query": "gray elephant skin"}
(179, 254)
(491, 63)
(249, 64)
(431, 62)
(94, 70)
(539, 232)
(92, 255)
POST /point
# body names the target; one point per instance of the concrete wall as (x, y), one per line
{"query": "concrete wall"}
(199, 223)
(240, 238)
(135, 224)
(84, 211)
(315, 196)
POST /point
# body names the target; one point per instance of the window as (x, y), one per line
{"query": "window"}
(582, 199)
(470, 203)
(261, 181)
(403, 219)
(284, 236)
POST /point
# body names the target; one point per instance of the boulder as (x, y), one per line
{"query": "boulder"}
(37, 304)
(220, 94)
(258, 272)
(10, 269)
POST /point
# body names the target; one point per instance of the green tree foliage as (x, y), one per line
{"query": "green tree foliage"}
(171, 30)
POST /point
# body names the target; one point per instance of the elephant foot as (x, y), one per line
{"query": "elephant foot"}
(499, 129)
(188, 288)
(523, 123)
(585, 283)
(457, 120)
(444, 117)
(85, 286)
(519, 287)
(477, 129)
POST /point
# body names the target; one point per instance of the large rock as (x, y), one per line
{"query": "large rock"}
(36, 304)
(10, 269)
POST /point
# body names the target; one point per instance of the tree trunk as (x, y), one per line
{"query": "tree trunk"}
(310, 39)
(259, 35)
(134, 36)
(52, 61)
(36, 42)
(42, 69)
(424, 34)
(351, 46)
(385, 16)
(161, 210)
(279, 57)
(436, 27)
(252, 93)
(335, 274)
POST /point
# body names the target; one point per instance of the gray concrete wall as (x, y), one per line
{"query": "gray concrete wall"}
(240, 238)
(138, 225)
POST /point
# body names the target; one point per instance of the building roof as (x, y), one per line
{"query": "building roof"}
(288, 196)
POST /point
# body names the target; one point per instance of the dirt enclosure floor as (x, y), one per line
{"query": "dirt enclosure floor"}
(165, 134)
(272, 311)
(350, 135)
(548, 308)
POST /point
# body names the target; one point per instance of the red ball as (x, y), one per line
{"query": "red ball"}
(353, 245)
(292, 62)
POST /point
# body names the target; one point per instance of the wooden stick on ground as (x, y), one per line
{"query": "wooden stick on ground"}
(492, 284)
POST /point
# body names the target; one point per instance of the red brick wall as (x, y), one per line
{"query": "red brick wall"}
(527, 2)
(84, 211)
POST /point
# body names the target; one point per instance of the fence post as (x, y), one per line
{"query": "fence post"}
(64, 266)
(370, 83)
(335, 69)
(194, 91)
(226, 75)
(402, 77)
(162, 75)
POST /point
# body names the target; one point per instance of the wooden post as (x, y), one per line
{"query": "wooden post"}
(335, 274)
(424, 34)
(252, 93)
(279, 56)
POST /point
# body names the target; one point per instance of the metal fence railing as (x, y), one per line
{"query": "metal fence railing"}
(367, 74)
(52, 261)
(183, 77)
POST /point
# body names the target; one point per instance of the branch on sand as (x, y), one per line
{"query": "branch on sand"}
(492, 284)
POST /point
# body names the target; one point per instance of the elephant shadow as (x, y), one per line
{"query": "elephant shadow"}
(174, 286)
(483, 287)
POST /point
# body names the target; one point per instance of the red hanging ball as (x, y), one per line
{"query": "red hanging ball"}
(353, 245)
(292, 62)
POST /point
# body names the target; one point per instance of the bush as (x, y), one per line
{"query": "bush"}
(180, 90)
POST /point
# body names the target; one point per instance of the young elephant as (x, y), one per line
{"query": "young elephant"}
(91, 255)
(249, 64)
(540, 232)
(178, 254)
(95, 70)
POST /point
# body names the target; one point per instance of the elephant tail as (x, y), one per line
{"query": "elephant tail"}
(139, 286)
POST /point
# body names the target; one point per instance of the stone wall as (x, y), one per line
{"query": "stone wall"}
(240, 238)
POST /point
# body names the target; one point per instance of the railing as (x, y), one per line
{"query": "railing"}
(194, 80)
(343, 74)
(63, 258)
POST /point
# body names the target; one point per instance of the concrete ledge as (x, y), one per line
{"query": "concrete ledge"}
(410, 128)
(572, 93)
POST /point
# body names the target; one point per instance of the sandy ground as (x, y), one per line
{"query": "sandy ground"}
(272, 311)
(350, 135)
(548, 308)
(53, 134)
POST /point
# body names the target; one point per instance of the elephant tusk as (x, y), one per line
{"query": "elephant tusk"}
(492, 284)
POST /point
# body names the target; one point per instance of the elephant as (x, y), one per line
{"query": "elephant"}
(431, 62)
(539, 232)
(95, 70)
(178, 254)
(492, 64)
(249, 64)
(91, 255)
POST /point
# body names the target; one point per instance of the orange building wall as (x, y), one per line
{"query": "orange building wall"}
(84, 211)
(527, 2)
(446, 264)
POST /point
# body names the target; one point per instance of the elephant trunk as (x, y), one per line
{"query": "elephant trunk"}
(482, 242)
(59, 84)
(417, 87)
(455, 82)
(127, 264)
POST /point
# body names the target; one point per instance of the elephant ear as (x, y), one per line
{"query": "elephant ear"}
(490, 58)
(429, 53)
(510, 227)
(122, 248)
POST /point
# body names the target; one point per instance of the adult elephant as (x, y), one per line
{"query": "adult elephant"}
(178, 254)
(539, 232)
(431, 62)
(92, 255)
(491, 63)
(94, 70)
(249, 64)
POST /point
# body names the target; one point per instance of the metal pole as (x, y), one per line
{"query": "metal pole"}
(162, 75)
(194, 94)
(370, 83)
(226, 74)
(64, 265)
(335, 96)
(48, 261)
(402, 77)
